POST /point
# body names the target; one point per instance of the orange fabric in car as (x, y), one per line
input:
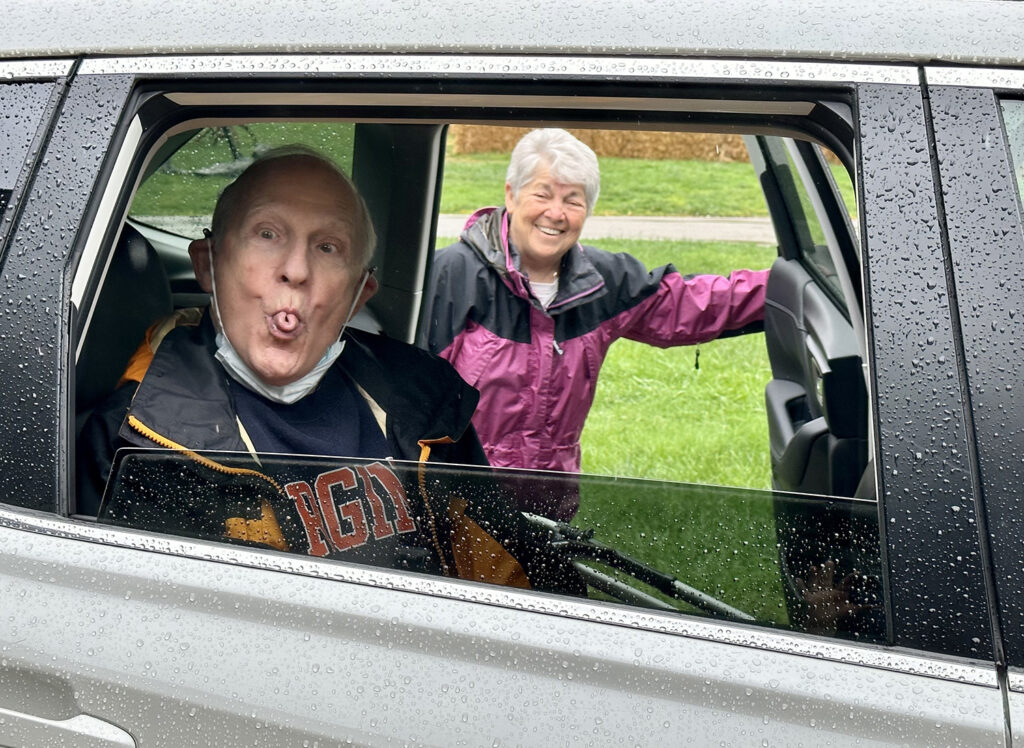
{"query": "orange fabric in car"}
(139, 362)
(478, 556)
(265, 530)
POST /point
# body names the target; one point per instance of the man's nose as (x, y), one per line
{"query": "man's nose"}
(295, 264)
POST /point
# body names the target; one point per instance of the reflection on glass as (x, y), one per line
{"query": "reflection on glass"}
(809, 563)
(178, 194)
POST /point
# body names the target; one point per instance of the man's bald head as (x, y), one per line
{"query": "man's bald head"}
(236, 196)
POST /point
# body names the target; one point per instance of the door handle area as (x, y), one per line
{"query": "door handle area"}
(778, 395)
(21, 730)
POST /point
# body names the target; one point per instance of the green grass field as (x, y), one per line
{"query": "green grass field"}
(686, 188)
(657, 416)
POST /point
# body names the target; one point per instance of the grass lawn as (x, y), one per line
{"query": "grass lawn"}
(657, 416)
(175, 190)
(703, 425)
(686, 188)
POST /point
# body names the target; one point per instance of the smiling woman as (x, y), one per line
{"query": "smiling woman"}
(546, 217)
(526, 314)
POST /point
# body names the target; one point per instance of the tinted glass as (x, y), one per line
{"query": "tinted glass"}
(179, 195)
(21, 106)
(1013, 121)
(753, 556)
(810, 223)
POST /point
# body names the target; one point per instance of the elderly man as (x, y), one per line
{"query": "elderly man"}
(526, 314)
(271, 368)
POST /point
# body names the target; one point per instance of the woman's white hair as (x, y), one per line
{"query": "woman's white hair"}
(567, 159)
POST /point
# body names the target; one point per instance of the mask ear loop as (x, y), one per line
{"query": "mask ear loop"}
(213, 279)
(362, 284)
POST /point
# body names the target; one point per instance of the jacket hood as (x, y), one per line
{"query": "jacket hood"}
(400, 385)
(483, 232)
(184, 395)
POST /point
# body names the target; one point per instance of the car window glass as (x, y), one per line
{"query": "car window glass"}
(179, 195)
(685, 430)
(815, 250)
(1013, 121)
(749, 556)
(22, 107)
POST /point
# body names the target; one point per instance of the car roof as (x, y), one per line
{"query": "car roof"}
(977, 32)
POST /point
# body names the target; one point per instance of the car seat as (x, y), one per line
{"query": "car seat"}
(135, 293)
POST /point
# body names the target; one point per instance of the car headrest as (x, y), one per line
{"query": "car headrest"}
(135, 293)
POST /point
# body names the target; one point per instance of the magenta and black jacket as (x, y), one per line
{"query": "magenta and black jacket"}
(536, 369)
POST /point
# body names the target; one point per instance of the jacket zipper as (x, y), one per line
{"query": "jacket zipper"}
(421, 476)
(166, 443)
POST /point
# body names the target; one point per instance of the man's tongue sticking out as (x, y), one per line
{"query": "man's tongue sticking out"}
(285, 323)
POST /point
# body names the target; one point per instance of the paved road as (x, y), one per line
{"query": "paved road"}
(654, 227)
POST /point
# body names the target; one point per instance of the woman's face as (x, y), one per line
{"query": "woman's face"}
(546, 220)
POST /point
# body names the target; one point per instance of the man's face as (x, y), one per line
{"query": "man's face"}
(286, 268)
(547, 217)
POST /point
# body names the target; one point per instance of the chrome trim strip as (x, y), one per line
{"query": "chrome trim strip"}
(975, 77)
(503, 66)
(614, 103)
(33, 69)
(718, 631)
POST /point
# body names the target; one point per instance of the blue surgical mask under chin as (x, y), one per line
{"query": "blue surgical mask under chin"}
(285, 394)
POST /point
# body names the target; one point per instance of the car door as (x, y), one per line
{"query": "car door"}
(979, 140)
(175, 639)
(817, 400)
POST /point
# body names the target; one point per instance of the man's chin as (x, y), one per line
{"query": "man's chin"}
(278, 374)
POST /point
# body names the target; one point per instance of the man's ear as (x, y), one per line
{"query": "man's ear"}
(199, 250)
(369, 289)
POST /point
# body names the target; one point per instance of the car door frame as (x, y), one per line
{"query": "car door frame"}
(982, 210)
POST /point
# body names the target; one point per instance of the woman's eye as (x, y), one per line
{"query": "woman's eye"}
(267, 234)
(327, 248)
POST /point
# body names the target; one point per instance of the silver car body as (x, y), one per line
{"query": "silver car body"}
(120, 637)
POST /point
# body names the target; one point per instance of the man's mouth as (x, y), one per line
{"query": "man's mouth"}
(285, 324)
